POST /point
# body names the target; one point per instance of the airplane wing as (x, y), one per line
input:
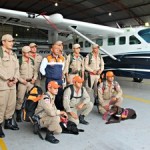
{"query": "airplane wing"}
(55, 22)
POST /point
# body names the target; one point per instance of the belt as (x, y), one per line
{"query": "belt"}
(91, 73)
(28, 80)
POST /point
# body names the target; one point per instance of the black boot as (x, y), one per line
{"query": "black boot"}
(18, 115)
(2, 135)
(50, 138)
(81, 120)
(9, 125)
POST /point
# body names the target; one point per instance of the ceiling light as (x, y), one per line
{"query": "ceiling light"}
(16, 34)
(109, 14)
(147, 24)
(56, 4)
(27, 29)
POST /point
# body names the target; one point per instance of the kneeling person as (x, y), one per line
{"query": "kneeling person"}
(76, 98)
(109, 93)
(50, 116)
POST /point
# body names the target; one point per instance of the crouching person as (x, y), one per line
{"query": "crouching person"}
(76, 99)
(109, 93)
(49, 115)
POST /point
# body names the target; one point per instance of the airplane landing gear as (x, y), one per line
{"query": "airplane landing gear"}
(139, 80)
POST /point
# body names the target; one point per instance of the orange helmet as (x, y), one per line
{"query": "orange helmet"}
(110, 74)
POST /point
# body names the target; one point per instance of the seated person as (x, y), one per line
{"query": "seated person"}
(50, 116)
(109, 93)
(76, 99)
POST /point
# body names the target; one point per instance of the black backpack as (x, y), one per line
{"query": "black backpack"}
(31, 102)
(72, 91)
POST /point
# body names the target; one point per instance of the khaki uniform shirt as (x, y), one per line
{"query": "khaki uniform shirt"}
(68, 104)
(37, 61)
(76, 66)
(105, 92)
(27, 70)
(96, 63)
(48, 106)
(9, 69)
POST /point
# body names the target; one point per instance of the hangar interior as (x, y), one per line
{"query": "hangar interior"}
(104, 12)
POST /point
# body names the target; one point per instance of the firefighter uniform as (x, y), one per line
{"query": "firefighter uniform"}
(50, 116)
(27, 73)
(9, 72)
(37, 61)
(9, 69)
(79, 97)
(106, 92)
(93, 63)
(74, 65)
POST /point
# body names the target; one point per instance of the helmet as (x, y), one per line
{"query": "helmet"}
(110, 74)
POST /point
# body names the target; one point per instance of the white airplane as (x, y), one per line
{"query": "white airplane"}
(128, 48)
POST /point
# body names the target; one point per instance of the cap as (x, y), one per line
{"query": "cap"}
(58, 43)
(26, 49)
(53, 84)
(77, 79)
(76, 46)
(32, 45)
(110, 74)
(7, 37)
(95, 46)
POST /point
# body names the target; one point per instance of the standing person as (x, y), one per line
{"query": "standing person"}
(9, 74)
(49, 114)
(62, 53)
(94, 65)
(28, 76)
(37, 61)
(52, 67)
(109, 93)
(77, 99)
(74, 64)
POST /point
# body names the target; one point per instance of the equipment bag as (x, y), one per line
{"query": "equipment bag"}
(31, 102)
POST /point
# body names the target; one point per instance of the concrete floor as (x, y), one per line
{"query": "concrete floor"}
(127, 135)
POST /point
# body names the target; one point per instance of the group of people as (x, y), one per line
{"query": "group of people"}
(69, 81)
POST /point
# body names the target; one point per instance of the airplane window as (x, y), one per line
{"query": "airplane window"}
(145, 34)
(87, 44)
(111, 41)
(81, 44)
(70, 45)
(122, 40)
(99, 42)
(65, 47)
(133, 40)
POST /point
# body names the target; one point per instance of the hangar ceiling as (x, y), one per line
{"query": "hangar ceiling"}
(105, 12)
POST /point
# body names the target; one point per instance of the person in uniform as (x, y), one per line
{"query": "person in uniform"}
(74, 64)
(9, 74)
(94, 65)
(37, 61)
(52, 67)
(109, 93)
(62, 53)
(79, 101)
(28, 76)
(49, 114)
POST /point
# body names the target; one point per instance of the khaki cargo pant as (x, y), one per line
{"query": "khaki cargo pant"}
(22, 89)
(51, 123)
(106, 102)
(87, 108)
(7, 104)
(94, 81)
